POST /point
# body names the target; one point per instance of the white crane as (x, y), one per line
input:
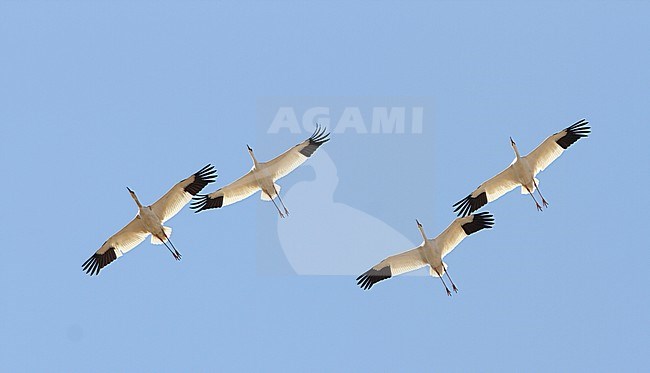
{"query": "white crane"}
(263, 176)
(150, 220)
(431, 252)
(522, 170)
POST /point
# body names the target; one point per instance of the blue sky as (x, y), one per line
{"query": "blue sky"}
(97, 96)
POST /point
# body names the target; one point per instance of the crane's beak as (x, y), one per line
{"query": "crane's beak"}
(249, 148)
(419, 225)
(512, 142)
(129, 189)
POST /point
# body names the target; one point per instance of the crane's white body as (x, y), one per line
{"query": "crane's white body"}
(263, 176)
(430, 252)
(522, 170)
(522, 173)
(265, 180)
(149, 221)
(153, 224)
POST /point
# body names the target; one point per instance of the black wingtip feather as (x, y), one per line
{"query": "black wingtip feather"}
(470, 204)
(318, 138)
(482, 220)
(574, 132)
(203, 177)
(95, 263)
(204, 202)
(373, 276)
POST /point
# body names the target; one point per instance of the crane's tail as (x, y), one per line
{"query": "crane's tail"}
(156, 241)
(532, 187)
(265, 197)
(441, 269)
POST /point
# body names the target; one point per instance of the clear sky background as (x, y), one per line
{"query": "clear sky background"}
(97, 96)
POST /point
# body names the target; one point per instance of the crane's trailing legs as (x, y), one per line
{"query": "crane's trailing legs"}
(453, 286)
(539, 208)
(278, 194)
(275, 204)
(175, 253)
(540, 193)
(443, 282)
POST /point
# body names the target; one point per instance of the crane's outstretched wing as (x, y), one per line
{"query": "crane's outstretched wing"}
(393, 266)
(239, 189)
(461, 228)
(121, 242)
(556, 144)
(490, 190)
(179, 195)
(288, 161)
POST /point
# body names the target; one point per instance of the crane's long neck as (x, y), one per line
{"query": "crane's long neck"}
(514, 147)
(135, 198)
(424, 235)
(255, 163)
